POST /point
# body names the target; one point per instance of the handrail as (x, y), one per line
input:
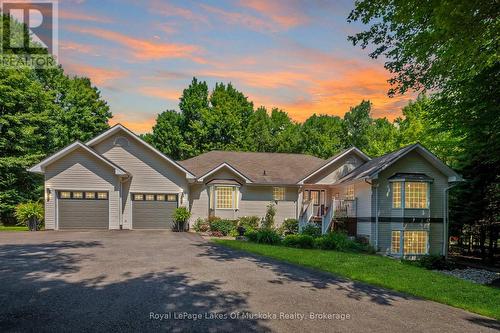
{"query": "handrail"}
(326, 220)
(306, 215)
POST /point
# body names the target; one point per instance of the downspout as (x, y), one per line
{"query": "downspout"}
(376, 211)
(120, 208)
(445, 219)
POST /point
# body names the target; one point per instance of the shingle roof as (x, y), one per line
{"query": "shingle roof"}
(411, 176)
(279, 168)
(375, 165)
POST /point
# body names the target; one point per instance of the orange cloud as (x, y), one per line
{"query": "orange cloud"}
(282, 13)
(99, 76)
(260, 79)
(79, 16)
(143, 49)
(138, 126)
(161, 93)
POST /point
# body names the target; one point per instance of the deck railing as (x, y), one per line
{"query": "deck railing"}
(337, 209)
(307, 213)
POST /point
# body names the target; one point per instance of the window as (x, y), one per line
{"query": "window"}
(77, 195)
(149, 197)
(396, 195)
(314, 197)
(89, 195)
(349, 192)
(278, 193)
(414, 242)
(395, 238)
(138, 197)
(160, 197)
(64, 195)
(102, 195)
(171, 197)
(416, 195)
(224, 197)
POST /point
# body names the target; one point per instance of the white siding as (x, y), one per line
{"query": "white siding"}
(150, 172)
(80, 170)
(336, 170)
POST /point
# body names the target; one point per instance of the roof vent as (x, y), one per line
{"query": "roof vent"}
(121, 142)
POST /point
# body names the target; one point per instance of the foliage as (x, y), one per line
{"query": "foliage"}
(300, 241)
(264, 236)
(311, 229)
(201, 225)
(216, 233)
(223, 226)
(386, 273)
(249, 222)
(338, 241)
(30, 214)
(268, 221)
(289, 227)
(181, 216)
(41, 111)
(434, 262)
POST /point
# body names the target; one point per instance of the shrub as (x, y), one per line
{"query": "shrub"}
(264, 236)
(268, 222)
(30, 214)
(434, 262)
(311, 229)
(249, 222)
(201, 225)
(216, 234)
(300, 241)
(181, 215)
(335, 241)
(234, 233)
(290, 227)
(224, 226)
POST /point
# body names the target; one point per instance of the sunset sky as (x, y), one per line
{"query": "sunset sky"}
(293, 55)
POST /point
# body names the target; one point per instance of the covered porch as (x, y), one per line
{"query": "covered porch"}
(325, 204)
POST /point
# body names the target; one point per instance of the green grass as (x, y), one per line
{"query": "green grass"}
(13, 228)
(387, 273)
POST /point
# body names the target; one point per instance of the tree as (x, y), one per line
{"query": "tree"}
(356, 124)
(167, 135)
(382, 137)
(322, 136)
(41, 110)
(258, 134)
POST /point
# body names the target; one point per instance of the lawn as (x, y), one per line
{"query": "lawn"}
(13, 228)
(388, 273)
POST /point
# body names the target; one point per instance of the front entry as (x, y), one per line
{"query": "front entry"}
(317, 198)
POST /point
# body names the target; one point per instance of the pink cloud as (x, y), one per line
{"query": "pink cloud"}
(99, 76)
(284, 13)
(80, 16)
(160, 92)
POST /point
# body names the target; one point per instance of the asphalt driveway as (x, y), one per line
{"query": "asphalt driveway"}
(157, 280)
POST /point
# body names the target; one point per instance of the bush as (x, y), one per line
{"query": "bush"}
(201, 225)
(30, 214)
(223, 226)
(336, 241)
(300, 241)
(216, 234)
(264, 236)
(181, 215)
(311, 229)
(290, 227)
(268, 222)
(434, 262)
(249, 222)
(234, 233)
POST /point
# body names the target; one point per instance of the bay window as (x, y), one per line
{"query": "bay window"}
(224, 197)
(414, 242)
(414, 194)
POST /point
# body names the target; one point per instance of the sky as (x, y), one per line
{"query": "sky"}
(293, 55)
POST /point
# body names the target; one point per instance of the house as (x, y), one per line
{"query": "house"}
(118, 181)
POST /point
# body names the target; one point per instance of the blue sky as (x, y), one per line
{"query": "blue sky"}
(293, 55)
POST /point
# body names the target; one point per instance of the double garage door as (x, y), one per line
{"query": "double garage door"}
(90, 210)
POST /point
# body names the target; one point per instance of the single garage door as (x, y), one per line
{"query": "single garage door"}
(83, 210)
(153, 210)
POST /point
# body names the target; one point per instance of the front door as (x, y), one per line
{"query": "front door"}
(315, 197)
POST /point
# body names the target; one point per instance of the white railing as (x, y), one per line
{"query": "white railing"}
(307, 214)
(326, 220)
(337, 208)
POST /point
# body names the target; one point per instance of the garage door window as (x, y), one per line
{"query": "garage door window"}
(80, 195)
(154, 197)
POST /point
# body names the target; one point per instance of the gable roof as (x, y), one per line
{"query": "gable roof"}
(119, 127)
(372, 168)
(259, 168)
(224, 165)
(39, 168)
(335, 158)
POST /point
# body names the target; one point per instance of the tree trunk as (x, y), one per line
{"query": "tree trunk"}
(482, 241)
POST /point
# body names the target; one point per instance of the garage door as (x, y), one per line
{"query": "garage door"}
(153, 211)
(83, 210)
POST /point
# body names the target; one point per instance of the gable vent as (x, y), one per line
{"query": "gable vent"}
(121, 142)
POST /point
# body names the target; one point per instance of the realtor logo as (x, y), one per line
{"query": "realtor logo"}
(36, 44)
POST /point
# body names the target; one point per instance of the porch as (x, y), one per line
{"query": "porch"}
(327, 205)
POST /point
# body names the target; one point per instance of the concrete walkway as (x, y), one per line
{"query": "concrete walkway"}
(163, 281)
